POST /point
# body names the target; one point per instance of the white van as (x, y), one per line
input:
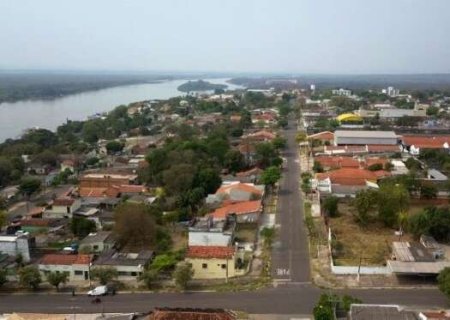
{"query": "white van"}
(98, 291)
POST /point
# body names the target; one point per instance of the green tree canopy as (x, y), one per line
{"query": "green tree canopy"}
(183, 274)
(104, 274)
(30, 277)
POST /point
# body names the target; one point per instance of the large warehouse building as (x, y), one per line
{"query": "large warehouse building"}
(361, 137)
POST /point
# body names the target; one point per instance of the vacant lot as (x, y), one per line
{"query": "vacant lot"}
(352, 243)
(246, 232)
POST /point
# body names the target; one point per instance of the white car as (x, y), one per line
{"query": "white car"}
(98, 291)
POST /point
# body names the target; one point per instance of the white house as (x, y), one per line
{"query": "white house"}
(14, 245)
(62, 208)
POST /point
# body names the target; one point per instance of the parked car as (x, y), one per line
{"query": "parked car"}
(98, 291)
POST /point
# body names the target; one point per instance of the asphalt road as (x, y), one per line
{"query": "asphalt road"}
(288, 299)
(290, 255)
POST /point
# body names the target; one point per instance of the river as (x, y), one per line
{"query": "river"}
(17, 116)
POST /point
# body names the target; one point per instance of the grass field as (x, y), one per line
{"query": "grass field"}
(352, 242)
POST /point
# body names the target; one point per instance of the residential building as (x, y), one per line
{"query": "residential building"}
(19, 244)
(39, 225)
(76, 266)
(414, 143)
(63, 207)
(68, 165)
(246, 211)
(362, 137)
(259, 136)
(341, 92)
(209, 232)
(97, 242)
(324, 137)
(212, 262)
(236, 191)
(129, 266)
(191, 314)
(413, 258)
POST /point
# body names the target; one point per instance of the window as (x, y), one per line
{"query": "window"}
(204, 265)
(95, 247)
(78, 272)
(224, 266)
(134, 274)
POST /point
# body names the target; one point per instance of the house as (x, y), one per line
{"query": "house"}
(249, 176)
(337, 162)
(76, 266)
(19, 244)
(248, 151)
(415, 143)
(341, 92)
(434, 315)
(414, 258)
(212, 262)
(39, 169)
(325, 137)
(68, 165)
(236, 191)
(349, 176)
(259, 136)
(363, 137)
(129, 266)
(191, 314)
(380, 312)
(97, 242)
(245, 211)
(37, 225)
(208, 232)
(63, 207)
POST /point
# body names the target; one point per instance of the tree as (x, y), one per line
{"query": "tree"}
(164, 263)
(265, 154)
(428, 191)
(419, 224)
(114, 147)
(134, 226)
(104, 274)
(28, 186)
(3, 277)
(324, 310)
(444, 281)
(30, 277)
(81, 227)
(183, 274)
(300, 137)
(148, 277)
(279, 143)
(234, 161)
(56, 278)
(268, 234)
(375, 167)
(3, 219)
(270, 176)
(317, 167)
(392, 199)
(432, 111)
(330, 205)
(364, 202)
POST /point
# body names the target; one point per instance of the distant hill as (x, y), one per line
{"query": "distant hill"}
(200, 85)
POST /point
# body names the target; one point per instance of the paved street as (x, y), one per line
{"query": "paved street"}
(291, 299)
(290, 257)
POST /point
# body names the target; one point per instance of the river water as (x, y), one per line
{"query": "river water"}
(17, 116)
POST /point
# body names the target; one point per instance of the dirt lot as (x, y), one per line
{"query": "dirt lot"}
(352, 243)
(246, 232)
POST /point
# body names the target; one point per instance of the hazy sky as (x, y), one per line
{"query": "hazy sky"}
(298, 36)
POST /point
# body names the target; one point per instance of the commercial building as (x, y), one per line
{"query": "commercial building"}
(363, 137)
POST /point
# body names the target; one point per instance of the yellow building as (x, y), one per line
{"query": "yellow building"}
(212, 262)
(349, 117)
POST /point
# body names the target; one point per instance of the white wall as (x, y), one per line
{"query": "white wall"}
(209, 239)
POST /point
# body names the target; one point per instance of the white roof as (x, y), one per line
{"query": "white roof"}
(8, 238)
(365, 134)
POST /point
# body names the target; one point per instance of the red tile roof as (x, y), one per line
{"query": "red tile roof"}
(348, 176)
(190, 314)
(112, 192)
(65, 259)
(129, 188)
(426, 142)
(66, 201)
(238, 208)
(250, 172)
(260, 136)
(371, 161)
(336, 162)
(208, 252)
(238, 186)
(436, 315)
(322, 136)
(35, 222)
(383, 148)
